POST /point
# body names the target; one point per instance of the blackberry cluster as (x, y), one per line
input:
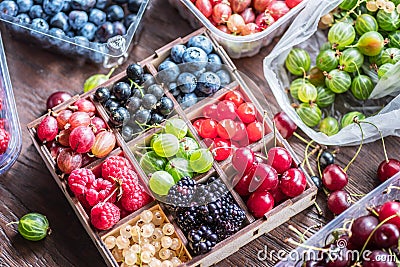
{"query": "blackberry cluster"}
(207, 213)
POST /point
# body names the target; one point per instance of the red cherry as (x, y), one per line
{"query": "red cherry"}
(265, 178)
(208, 129)
(211, 111)
(226, 129)
(254, 131)
(226, 110)
(284, 124)
(221, 149)
(197, 123)
(260, 202)
(387, 235)
(280, 159)
(339, 201)
(293, 182)
(292, 3)
(278, 9)
(240, 131)
(235, 96)
(242, 186)
(334, 178)
(278, 195)
(57, 98)
(388, 209)
(242, 160)
(388, 168)
(209, 142)
(247, 112)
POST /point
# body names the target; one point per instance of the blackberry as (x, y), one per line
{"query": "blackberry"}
(225, 229)
(181, 193)
(187, 218)
(202, 240)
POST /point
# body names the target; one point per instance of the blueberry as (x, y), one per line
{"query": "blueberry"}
(199, 72)
(214, 62)
(128, 20)
(142, 116)
(102, 94)
(187, 100)
(121, 91)
(82, 44)
(186, 82)
(104, 32)
(156, 90)
(36, 11)
(177, 53)
(115, 13)
(134, 5)
(59, 35)
(120, 116)
(88, 30)
(209, 83)
(101, 4)
(224, 77)
(24, 18)
(24, 5)
(9, 8)
(52, 7)
(119, 28)
(173, 89)
(168, 71)
(77, 19)
(84, 5)
(196, 57)
(60, 20)
(38, 2)
(97, 16)
(120, 2)
(67, 6)
(135, 73)
(202, 42)
(70, 34)
(134, 104)
(166, 106)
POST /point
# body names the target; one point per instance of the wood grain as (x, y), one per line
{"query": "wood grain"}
(28, 186)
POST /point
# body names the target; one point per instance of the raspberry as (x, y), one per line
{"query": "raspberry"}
(2, 123)
(123, 174)
(4, 139)
(113, 165)
(83, 201)
(104, 215)
(99, 190)
(79, 180)
(134, 197)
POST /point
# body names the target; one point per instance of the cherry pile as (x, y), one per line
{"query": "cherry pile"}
(109, 192)
(264, 183)
(244, 17)
(4, 134)
(229, 123)
(378, 232)
(74, 135)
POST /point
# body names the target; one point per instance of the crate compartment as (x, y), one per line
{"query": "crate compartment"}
(153, 239)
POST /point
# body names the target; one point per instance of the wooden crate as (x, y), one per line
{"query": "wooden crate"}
(253, 228)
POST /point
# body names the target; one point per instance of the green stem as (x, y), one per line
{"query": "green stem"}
(318, 164)
(302, 139)
(358, 150)
(263, 134)
(111, 72)
(306, 158)
(383, 139)
(12, 223)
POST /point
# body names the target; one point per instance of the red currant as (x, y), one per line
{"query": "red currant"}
(254, 131)
(247, 112)
(226, 110)
(208, 129)
(211, 111)
(235, 96)
(221, 149)
(240, 131)
(226, 129)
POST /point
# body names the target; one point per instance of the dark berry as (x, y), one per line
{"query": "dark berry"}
(149, 101)
(133, 104)
(119, 28)
(24, 5)
(102, 94)
(168, 71)
(23, 18)
(77, 19)
(135, 73)
(84, 5)
(104, 32)
(60, 20)
(317, 182)
(120, 116)
(88, 30)
(326, 159)
(121, 91)
(36, 11)
(129, 19)
(166, 106)
(214, 62)
(9, 8)
(156, 118)
(97, 16)
(186, 82)
(177, 53)
(40, 25)
(134, 5)
(143, 116)
(115, 13)
(209, 83)
(156, 90)
(52, 7)
(111, 105)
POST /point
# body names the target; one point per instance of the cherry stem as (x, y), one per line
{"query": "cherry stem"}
(373, 211)
(297, 232)
(357, 195)
(325, 191)
(306, 158)
(387, 191)
(319, 210)
(261, 156)
(302, 139)
(291, 241)
(273, 123)
(359, 148)
(376, 228)
(263, 134)
(318, 163)
(383, 139)
(17, 222)
(111, 72)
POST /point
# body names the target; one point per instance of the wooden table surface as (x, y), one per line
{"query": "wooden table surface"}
(29, 187)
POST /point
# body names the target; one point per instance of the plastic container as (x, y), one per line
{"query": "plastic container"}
(9, 114)
(237, 46)
(113, 52)
(375, 198)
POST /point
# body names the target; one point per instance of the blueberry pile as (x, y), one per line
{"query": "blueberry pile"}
(135, 103)
(200, 72)
(206, 213)
(86, 20)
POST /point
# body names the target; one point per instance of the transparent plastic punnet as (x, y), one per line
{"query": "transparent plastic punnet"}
(237, 46)
(9, 115)
(304, 33)
(385, 192)
(113, 52)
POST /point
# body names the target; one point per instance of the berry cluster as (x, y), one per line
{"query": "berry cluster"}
(378, 232)
(85, 20)
(244, 17)
(265, 184)
(100, 193)
(207, 213)
(151, 240)
(200, 75)
(231, 122)
(135, 103)
(73, 133)
(4, 134)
